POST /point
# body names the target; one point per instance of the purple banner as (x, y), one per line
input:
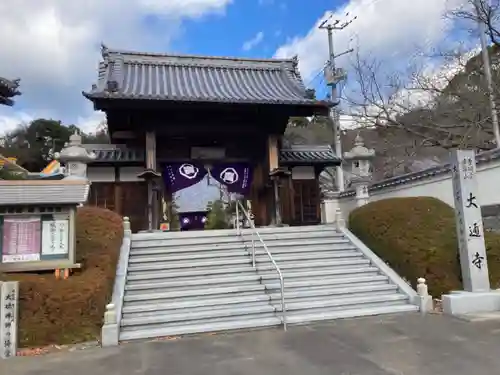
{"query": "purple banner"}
(193, 220)
(183, 175)
(236, 176)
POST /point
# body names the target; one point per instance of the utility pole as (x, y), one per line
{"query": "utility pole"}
(333, 77)
(487, 70)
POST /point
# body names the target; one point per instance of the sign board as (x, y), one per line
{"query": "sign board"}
(55, 237)
(21, 239)
(210, 153)
(469, 221)
(9, 299)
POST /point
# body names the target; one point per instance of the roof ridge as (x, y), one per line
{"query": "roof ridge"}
(108, 51)
(204, 64)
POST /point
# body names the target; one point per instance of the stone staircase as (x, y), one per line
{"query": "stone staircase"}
(192, 282)
(326, 275)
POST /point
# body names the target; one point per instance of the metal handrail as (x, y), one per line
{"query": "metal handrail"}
(255, 232)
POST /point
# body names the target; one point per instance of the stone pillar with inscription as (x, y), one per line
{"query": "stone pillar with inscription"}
(9, 299)
(477, 295)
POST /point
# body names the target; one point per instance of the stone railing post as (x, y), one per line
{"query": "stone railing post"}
(339, 219)
(425, 300)
(112, 316)
(127, 232)
(9, 312)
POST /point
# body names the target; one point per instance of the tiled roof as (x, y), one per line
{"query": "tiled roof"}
(43, 192)
(8, 89)
(440, 170)
(134, 75)
(294, 155)
(118, 155)
(309, 154)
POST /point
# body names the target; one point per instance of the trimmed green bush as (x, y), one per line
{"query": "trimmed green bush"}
(417, 238)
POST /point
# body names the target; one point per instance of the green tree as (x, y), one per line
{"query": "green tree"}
(34, 144)
(6, 174)
(217, 216)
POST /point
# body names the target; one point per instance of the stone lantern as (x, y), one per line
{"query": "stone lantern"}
(360, 159)
(75, 158)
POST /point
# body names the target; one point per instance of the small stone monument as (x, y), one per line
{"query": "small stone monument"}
(9, 299)
(477, 295)
(360, 158)
(75, 158)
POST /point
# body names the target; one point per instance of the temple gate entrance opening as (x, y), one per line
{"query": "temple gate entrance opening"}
(173, 119)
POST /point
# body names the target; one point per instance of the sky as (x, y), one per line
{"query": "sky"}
(54, 45)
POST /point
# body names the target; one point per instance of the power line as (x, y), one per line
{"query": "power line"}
(333, 77)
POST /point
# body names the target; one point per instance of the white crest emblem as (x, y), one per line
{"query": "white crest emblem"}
(229, 176)
(185, 220)
(189, 171)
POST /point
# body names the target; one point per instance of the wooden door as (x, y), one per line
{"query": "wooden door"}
(134, 204)
(102, 194)
(306, 202)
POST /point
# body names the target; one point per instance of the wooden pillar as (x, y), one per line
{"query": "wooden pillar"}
(151, 150)
(273, 164)
(118, 193)
(272, 152)
(149, 175)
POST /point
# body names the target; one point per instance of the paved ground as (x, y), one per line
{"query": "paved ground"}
(404, 344)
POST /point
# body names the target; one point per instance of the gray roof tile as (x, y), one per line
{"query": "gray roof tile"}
(43, 192)
(8, 89)
(309, 154)
(294, 155)
(133, 75)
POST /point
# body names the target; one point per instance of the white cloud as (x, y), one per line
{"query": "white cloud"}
(11, 119)
(384, 28)
(254, 42)
(53, 45)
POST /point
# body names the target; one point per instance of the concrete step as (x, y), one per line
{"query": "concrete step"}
(300, 235)
(304, 317)
(310, 255)
(255, 297)
(200, 291)
(354, 300)
(293, 229)
(150, 274)
(135, 333)
(195, 314)
(299, 242)
(188, 255)
(328, 281)
(170, 283)
(185, 242)
(204, 234)
(313, 264)
(235, 315)
(192, 249)
(165, 265)
(368, 271)
(301, 248)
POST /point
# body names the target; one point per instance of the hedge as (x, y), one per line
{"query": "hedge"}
(417, 238)
(69, 311)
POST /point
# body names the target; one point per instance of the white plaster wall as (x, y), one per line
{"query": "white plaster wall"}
(303, 173)
(101, 174)
(129, 174)
(440, 187)
(107, 174)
